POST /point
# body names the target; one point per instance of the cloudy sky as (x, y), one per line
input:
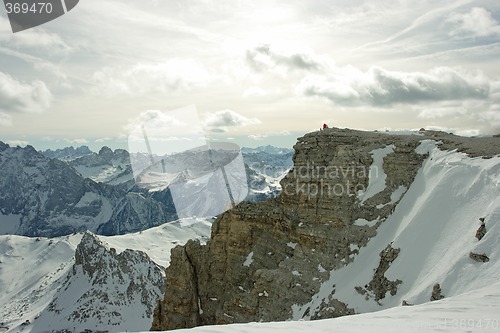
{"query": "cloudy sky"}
(258, 72)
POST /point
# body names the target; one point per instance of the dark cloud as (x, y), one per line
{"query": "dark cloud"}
(380, 87)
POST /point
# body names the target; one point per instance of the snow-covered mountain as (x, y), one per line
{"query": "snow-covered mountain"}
(81, 190)
(40, 196)
(107, 166)
(67, 153)
(83, 281)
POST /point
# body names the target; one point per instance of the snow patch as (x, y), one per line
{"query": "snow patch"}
(377, 176)
(248, 260)
(363, 222)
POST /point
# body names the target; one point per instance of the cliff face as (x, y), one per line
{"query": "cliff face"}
(265, 259)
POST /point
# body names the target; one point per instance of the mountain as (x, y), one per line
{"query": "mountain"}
(365, 222)
(271, 150)
(40, 196)
(82, 190)
(67, 152)
(83, 281)
(107, 166)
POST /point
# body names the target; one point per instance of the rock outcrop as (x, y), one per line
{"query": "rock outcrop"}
(378, 287)
(481, 231)
(266, 259)
(436, 293)
(479, 257)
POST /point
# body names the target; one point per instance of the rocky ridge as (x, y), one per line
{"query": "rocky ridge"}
(264, 259)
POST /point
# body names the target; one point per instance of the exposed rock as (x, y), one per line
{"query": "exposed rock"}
(481, 231)
(380, 285)
(479, 257)
(436, 293)
(405, 303)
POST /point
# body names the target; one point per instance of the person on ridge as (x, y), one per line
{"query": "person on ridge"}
(325, 126)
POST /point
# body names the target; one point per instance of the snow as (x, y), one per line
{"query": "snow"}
(9, 224)
(87, 199)
(158, 241)
(248, 260)
(363, 222)
(377, 176)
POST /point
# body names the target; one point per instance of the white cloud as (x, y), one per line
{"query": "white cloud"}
(78, 141)
(443, 111)
(262, 136)
(15, 143)
(33, 39)
(143, 78)
(220, 120)
(477, 23)
(16, 96)
(265, 57)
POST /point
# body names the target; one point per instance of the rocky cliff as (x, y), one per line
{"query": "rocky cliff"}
(267, 261)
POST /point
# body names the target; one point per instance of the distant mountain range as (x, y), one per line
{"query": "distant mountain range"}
(53, 193)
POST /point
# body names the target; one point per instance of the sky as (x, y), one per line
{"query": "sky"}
(257, 72)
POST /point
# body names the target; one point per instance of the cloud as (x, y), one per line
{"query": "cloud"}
(33, 39)
(79, 141)
(220, 120)
(379, 87)
(262, 136)
(477, 23)
(264, 57)
(443, 111)
(15, 143)
(319, 76)
(143, 78)
(16, 96)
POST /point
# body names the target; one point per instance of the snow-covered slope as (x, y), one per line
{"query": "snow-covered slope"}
(117, 289)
